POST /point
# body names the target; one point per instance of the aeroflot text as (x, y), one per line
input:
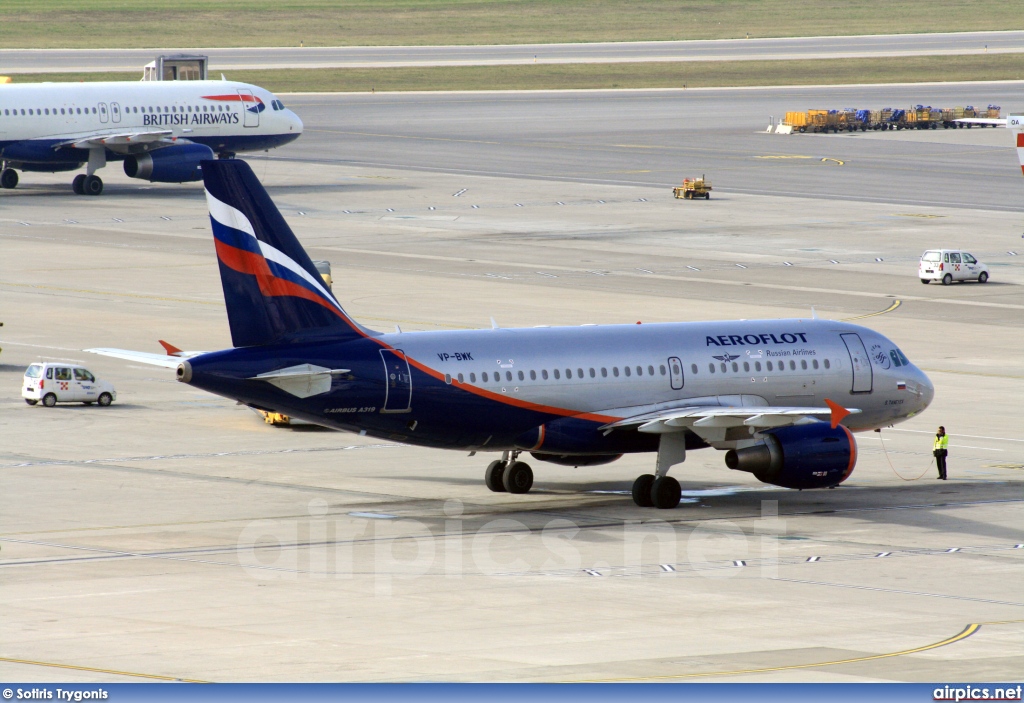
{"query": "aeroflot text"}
(974, 693)
(737, 340)
(195, 118)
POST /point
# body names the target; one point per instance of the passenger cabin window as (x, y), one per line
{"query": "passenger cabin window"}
(693, 368)
(615, 371)
(814, 363)
(593, 372)
(544, 374)
(711, 368)
(533, 375)
(724, 368)
(803, 364)
(757, 365)
(746, 366)
(662, 367)
(627, 371)
(484, 376)
(604, 372)
(735, 367)
(579, 373)
(461, 380)
(826, 364)
(792, 365)
(472, 378)
(508, 375)
(521, 376)
(556, 374)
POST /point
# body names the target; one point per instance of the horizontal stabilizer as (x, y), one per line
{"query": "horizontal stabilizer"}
(168, 362)
(302, 381)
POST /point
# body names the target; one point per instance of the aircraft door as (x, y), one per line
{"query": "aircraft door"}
(250, 109)
(104, 117)
(862, 374)
(397, 382)
(675, 372)
(115, 112)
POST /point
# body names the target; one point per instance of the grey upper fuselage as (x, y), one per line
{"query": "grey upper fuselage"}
(516, 360)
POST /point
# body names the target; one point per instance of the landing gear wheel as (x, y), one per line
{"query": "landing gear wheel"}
(925, 281)
(947, 279)
(642, 491)
(78, 185)
(93, 185)
(707, 196)
(518, 477)
(983, 277)
(665, 493)
(104, 400)
(49, 400)
(30, 401)
(9, 178)
(493, 476)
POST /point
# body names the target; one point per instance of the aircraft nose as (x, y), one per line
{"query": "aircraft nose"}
(294, 123)
(926, 389)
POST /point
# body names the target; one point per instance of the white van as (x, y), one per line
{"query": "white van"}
(53, 383)
(948, 265)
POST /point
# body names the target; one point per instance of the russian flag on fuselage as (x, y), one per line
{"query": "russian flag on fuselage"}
(272, 290)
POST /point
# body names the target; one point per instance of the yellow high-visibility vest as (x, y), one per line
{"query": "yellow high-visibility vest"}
(941, 442)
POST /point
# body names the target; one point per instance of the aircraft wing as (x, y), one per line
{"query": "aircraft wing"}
(983, 120)
(131, 142)
(711, 422)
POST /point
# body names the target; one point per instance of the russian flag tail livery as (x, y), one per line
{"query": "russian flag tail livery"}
(272, 290)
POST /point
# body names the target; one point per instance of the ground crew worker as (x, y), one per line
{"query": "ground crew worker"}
(940, 449)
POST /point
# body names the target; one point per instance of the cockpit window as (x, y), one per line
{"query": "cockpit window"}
(903, 358)
(931, 256)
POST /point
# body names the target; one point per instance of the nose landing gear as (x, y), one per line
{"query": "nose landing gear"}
(509, 475)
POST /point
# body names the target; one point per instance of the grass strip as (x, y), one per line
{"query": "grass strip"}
(917, 69)
(192, 23)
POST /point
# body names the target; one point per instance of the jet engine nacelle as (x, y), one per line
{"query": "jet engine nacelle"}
(172, 164)
(799, 456)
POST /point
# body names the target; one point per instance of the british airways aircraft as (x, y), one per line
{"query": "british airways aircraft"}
(777, 395)
(162, 130)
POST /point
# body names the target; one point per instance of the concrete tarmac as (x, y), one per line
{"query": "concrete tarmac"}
(757, 49)
(174, 535)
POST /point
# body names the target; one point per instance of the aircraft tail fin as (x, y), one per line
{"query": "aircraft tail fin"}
(1016, 122)
(272, 290)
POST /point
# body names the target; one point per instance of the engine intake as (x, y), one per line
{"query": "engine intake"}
(799, 456)
(173, 164)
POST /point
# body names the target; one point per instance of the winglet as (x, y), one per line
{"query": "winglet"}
(169, 348)
(838, 412)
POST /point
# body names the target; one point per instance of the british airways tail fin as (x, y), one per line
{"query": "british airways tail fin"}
(272, 290)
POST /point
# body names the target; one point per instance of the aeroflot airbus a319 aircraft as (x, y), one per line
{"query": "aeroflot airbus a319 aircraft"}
(783, 397)
(160, 129)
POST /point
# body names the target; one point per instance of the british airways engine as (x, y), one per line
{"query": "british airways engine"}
(782, 398)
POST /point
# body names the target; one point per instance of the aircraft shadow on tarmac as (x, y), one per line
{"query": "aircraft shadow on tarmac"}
(917, 506)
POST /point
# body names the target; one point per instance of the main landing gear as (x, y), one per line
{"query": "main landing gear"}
(651, 491)
(87, 185)
(8, 178)
(661, 490)
(509, 475)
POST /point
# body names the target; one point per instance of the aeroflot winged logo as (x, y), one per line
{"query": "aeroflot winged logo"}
(276, 273)
(738, 340)
(726, 357)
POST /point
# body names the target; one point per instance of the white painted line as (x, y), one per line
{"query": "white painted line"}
(741, 266)
(668, 568)
(519, 204)
(693, 268)
(303, 214)
(813, 559)
(117, 219)
(970, 436)
(374, 516)
(833, 261)
(592, 572)
(882, 554)
(953, 549)
(786, 263)
(475, 207)
(546, 275)
(987, 449)
(162, 217)
(645, 271)
(455, 195)
(390, 209)
(431, 208)
(739, 562)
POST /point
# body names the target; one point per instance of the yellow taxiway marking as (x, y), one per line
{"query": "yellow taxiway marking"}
(115, 672)
(962, 635)
(892, 307)
(786, 156)
(838, 161)
(917, 214)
